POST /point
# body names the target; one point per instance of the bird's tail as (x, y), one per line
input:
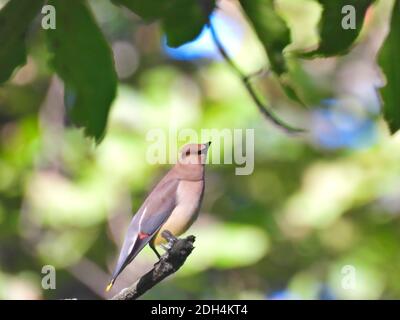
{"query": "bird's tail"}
(127, 255)
(108, 288)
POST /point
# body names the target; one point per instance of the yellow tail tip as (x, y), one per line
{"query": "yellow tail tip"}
(109, 286)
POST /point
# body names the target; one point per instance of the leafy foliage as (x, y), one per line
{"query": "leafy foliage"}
(336, 40)
(183, 20)
(274, 35)
(15, 19)
(389, 61)
(83, 60)
(148, 10)
(271, 30)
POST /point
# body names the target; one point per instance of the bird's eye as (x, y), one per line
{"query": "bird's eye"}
(199, 152)
(187, 153)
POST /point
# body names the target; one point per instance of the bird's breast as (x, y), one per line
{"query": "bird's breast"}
(189, 195)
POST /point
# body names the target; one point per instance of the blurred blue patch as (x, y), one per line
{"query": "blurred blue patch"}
(326, 293)
(229, 31)
(283, 295)
(335, 128)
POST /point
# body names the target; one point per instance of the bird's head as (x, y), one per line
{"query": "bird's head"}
(194, 153)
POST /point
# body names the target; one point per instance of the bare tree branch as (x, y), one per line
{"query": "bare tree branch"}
(169, 263)
(265, 111)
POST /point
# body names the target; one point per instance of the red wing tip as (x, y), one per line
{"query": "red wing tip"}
(143, 235)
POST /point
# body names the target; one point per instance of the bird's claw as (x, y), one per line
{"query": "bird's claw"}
(171, 239)
(167, 246)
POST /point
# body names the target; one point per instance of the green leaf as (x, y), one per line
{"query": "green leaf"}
(146, 9)
(335, 40)
(83, 59)
(291, 92)
(274, 35)
(182, 20)
(15, 18)
(271, 30)
(389, 62)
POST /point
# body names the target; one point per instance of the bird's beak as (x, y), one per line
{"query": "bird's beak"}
(206, 146)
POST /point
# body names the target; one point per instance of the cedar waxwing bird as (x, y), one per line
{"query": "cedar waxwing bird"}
(173, 205)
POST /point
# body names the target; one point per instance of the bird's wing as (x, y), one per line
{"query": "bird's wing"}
(147, 221)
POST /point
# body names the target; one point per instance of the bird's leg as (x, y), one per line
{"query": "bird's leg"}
(166, 247)
(152, 246)
(167, 235)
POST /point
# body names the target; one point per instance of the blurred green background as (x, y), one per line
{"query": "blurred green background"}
(315, 203)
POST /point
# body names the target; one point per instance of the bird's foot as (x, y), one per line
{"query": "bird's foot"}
(171, 240)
